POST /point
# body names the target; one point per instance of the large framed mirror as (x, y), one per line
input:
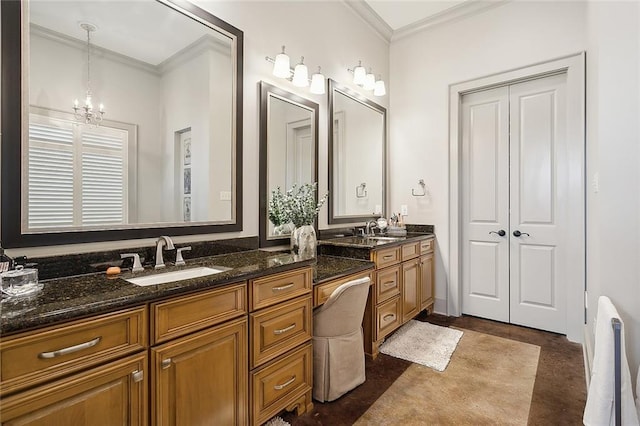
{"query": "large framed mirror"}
(357, 156)
(152, 143)
(288, 152)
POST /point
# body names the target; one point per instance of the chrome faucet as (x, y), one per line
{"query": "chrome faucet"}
(370, 226)
(162, 241)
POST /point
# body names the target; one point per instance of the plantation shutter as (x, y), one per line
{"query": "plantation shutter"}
(77, 174)
(50, 164)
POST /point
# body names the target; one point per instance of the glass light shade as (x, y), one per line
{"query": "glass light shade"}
(379, 90)
(359, 74)
(301, 76)
(369, 82)
(317, 84)
(281, 66)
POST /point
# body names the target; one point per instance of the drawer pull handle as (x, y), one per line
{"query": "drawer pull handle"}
(282, 287)
(285, 384)
(389, 283)
(284, 330)
(389, 256)
(392, 316)
(166, 363)
(70, 349)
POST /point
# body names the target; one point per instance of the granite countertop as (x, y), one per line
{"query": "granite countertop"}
(65, 299)
(378, 241)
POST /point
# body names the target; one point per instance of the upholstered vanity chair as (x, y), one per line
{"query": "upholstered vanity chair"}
(338, 351)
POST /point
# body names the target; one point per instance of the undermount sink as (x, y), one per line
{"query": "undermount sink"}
(168, 277)
(387, 238)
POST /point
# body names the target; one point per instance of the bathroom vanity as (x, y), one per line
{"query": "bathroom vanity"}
(403, 279)
(91, 348)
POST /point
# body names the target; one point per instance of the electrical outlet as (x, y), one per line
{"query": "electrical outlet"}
(225, 195)
(378, 209)
(404, 210)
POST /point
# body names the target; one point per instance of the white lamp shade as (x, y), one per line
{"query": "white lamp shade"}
(359, 74)
(379, 90)
(317, 84)
(281, 66)
(369, 82)
(301, 76)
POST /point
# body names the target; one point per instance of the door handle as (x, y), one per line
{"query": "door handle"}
(501, 232)
(517, 233)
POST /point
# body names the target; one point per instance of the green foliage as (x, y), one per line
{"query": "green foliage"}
(297, 205)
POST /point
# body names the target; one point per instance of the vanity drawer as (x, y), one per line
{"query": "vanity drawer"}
(409, 251)
(32, 358)
(386, 257)
(426, 246)
(183, 315)
(321, 292)
(387, 283)
(281, 383)
(388, 317)
(278, 329)
(274, 289)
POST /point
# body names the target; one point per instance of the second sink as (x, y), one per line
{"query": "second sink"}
(167, 277)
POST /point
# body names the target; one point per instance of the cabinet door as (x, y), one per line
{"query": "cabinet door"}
(112, 394)
(426, 281)
(201, 379)
(410, 286)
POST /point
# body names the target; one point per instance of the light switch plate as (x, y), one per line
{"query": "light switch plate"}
(225, 195)
(404, 210)
(378, 209)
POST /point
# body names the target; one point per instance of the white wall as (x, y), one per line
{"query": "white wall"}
(328, 34)
(613, 153)
(423, 66)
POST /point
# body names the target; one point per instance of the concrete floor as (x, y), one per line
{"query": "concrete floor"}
(559, 392)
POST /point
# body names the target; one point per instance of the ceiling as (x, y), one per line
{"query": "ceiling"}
(402, 13)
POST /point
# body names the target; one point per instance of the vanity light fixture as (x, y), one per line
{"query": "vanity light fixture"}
(86, 112)
(367, 80)
(298, 76)
(317, 83)
(301, 74)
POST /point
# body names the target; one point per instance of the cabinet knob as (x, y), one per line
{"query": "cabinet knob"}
(137, 376)
(166, 363)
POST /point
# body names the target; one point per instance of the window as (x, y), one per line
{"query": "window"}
(77, 173)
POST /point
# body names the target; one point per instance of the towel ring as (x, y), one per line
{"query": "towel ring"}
(361, 191)
(424, 190)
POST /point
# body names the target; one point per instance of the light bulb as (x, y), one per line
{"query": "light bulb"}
(281, 66)
(301, 74)
(369, 81)
(379, 89)
(359, 74)
(317, 83)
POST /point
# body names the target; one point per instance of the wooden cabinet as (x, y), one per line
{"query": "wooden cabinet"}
(111, 394)
(199, 370)
(202, 378)
(410, 289)
(427, 282)
(280, 344)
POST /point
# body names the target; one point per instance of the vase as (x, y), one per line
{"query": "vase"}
(303, 241)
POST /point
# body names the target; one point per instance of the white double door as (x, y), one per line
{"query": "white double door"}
(519, 248)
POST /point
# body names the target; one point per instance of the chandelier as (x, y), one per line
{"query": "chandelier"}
(86, 113)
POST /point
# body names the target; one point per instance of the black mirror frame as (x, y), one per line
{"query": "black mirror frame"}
(265, 89)
(11, 198)
(333, 219)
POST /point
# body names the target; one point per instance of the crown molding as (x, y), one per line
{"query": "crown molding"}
(463, 10)
(369, 16)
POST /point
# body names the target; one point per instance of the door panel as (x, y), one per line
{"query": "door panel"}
(485, 160)
(538, 209)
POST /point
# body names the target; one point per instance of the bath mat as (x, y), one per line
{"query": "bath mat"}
(277, 421)
(423, 343)
(488, 382)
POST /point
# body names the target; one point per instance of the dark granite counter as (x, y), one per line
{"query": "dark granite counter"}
(359, 247)
(70, 298)
(330, 267)
(76, 297)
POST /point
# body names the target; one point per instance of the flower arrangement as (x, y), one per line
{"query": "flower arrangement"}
(297, 205)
